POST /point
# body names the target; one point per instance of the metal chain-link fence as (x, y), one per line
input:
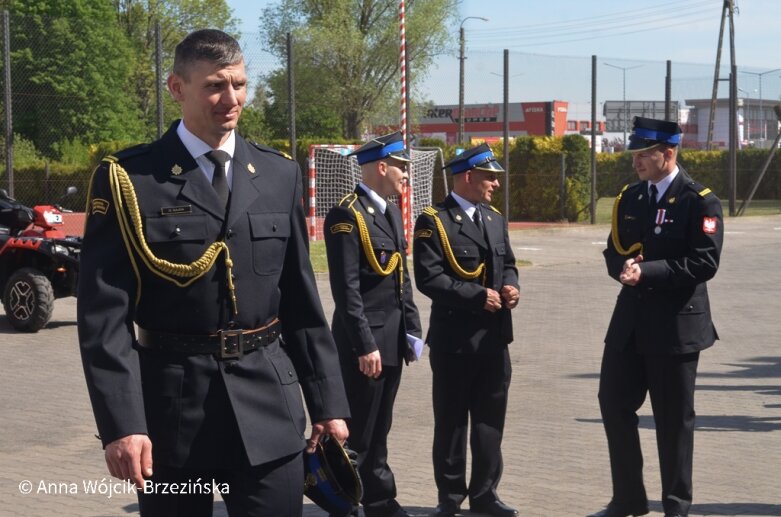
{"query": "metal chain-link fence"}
(73, 97)
(76, 94)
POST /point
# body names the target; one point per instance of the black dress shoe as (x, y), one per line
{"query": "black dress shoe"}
(449, 509)
(396, 511)
(495, 508)
(616, 510)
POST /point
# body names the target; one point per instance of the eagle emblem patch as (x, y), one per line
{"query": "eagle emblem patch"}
(710, 224)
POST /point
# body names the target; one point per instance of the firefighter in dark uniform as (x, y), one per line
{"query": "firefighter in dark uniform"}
(664, 246)
(375, 315)
(464, 262)
(217, 279)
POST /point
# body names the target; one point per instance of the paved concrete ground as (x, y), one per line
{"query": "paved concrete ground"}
(555, 451)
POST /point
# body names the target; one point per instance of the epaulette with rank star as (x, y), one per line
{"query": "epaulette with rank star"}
(267, 149)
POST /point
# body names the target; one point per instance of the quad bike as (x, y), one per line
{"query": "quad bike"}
(38, 262)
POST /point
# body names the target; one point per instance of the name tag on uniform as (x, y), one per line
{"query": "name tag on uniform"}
(176, 210)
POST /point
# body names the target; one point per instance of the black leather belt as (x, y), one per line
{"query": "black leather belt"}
(225, 344)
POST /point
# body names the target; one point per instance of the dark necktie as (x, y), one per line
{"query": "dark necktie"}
(220, 179)
(389, 217)
(652, 200)
(477, 219)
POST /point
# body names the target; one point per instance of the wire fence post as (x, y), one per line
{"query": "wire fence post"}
(593, 139)
(668, 81)
(159, 77)
(291, 95)
(563, 186)
(506, 128)
(9, 124)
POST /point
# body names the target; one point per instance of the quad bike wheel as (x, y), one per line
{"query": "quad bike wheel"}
(28, 300)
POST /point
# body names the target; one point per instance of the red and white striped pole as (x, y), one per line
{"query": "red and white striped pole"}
(406, 205)
(312, 194)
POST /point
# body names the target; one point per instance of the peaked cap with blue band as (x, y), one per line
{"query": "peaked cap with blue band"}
(480, 157)
(386, 146)
(649, 132)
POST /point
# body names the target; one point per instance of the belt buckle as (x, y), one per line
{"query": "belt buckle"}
(231, 343)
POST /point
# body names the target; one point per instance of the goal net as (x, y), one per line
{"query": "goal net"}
(333, 174)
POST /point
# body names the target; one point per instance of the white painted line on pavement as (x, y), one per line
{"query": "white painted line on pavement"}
(733, 233)
(778, 228)
(598, 243)
(528, 249)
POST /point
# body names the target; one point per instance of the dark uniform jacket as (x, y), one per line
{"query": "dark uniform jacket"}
(134, 390)
(459, 323)
(370, 313)
(668, 311)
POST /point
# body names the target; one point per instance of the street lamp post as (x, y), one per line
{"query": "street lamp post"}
(624, 111)
(461, 77)
(763, 129)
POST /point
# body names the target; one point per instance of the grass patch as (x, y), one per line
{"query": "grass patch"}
(757, 207)
(318, 257)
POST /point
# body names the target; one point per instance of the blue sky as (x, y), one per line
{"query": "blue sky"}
(551, 44)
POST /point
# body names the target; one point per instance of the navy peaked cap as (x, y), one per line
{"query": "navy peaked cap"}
(480, 157)
(648, 132)
(386, 146)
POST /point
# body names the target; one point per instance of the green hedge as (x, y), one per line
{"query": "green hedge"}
(707, 167)
(534, 189)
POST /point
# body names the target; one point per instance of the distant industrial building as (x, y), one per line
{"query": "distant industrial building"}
(485, 122)
(757, 123)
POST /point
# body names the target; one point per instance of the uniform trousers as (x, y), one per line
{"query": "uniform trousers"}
(268, 490)
(469, 387)
(371, 406)
(625, 378)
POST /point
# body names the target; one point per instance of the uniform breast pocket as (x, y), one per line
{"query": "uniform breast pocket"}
(383, 249)
(500, 249)
(176, 228)
(177, 238)
(269, 232)
(467, 256)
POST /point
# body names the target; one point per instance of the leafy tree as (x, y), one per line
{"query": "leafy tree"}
(69, 72)
(350, 51)
(315, 113)
(252, 124)
(137, 19)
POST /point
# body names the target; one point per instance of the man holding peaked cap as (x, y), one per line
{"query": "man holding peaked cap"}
(464, 262)
(664, 246)
(375, 316)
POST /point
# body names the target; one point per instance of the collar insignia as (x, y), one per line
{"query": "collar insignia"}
(251, 168)
(370, 210)
(176, 170)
